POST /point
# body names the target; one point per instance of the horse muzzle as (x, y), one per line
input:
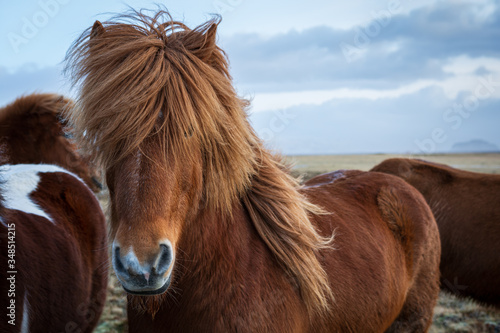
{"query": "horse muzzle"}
(149, 278)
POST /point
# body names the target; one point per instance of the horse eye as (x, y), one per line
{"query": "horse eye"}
(189, 133)
(67, 135)
(160, 115)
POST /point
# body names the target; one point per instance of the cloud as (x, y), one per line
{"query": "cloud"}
(30, 79)
(446, 30)
(411, 46)
(406, 124)
(392, 97)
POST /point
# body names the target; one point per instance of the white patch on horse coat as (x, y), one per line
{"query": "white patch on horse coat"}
(337, 175)
(330, 178)
(19, 181)
(25, 324)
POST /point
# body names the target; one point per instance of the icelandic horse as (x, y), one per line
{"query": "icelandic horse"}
(210, 232)
(53, 242)
(466, 207)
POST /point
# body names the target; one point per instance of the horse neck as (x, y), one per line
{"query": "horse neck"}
(17, 150)
(4, 150)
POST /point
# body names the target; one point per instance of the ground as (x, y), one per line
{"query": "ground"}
(450, 314)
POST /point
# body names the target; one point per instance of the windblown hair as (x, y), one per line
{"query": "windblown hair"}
(137, 69)
(33, 105)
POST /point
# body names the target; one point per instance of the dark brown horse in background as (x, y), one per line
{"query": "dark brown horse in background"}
(466, 206)
(32, 130)
(211, 233)
(53, 253)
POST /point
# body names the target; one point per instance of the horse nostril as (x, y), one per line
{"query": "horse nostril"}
(164, 260)
(118, 261)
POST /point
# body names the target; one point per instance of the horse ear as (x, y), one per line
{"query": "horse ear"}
(97, 29)
(206, 43)
(211, 36)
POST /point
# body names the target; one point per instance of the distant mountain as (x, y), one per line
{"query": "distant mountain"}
(474, 146)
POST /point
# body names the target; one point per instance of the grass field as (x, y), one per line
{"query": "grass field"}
(313, 165)
(450, 314)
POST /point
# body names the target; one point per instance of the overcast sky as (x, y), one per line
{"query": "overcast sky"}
(324, 76)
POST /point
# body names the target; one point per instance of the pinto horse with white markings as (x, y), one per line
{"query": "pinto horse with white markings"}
(53, 242)
(210, 232)
(467, 210)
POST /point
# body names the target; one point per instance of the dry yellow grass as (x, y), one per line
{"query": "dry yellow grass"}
(316, 164)
(450, 314)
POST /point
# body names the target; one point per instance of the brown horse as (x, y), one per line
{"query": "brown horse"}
(466, 207)
(32, 130)
(211, 233)
(53, 252)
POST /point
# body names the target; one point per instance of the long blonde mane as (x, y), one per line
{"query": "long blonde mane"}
(137, 68)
